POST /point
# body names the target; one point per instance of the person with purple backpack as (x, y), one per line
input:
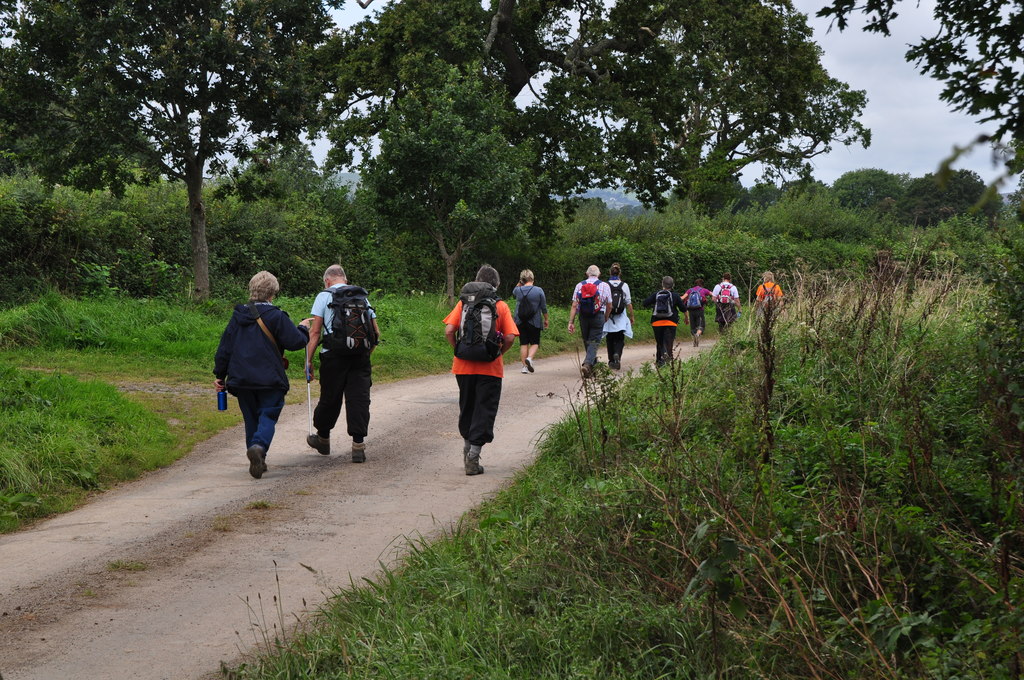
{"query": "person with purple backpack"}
(696, 298)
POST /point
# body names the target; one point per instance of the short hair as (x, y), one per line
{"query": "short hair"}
(698, 282)
(593, 270)
(335, 271)
(526, 275)
(488, 274)
(768, 276)
(667, 282)
(615, 269)
(727, 276)
(263, 286)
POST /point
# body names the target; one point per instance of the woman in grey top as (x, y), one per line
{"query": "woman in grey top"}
(531, 317)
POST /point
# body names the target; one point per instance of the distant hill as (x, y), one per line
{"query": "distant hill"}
(614, 199)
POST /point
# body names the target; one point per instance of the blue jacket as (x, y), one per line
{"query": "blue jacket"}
(245, 354)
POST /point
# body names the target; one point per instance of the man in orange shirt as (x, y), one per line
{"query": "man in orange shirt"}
(479, 381)
(768, 292)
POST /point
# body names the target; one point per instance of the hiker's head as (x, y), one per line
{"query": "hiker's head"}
(263, 286)
(698, 282)
(488, 274)
(727, 276)
(768, 277)
(615, 269)
(526, 276)
(334, 274)
(668, 283)
(593, 270)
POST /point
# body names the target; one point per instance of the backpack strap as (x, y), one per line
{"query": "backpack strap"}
(263, 326)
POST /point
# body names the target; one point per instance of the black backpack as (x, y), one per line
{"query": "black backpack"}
(618, 298)
(525, 309)
(663, 305)
(352, 330)
(477, 338)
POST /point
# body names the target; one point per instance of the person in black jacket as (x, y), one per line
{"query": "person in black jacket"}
(665, 304)
(250, 364)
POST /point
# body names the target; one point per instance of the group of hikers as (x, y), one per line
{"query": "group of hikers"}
(481, 328)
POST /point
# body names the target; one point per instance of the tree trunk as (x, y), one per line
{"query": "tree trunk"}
(197, 221)
(449, 278)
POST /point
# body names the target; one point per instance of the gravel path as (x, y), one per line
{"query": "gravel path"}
(197, 564)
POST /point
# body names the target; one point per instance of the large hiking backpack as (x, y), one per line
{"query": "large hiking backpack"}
(525, 309)
(618, 298)
(693, 299)
(588, 299)
(352, 330)
(477, 338)
(663, 305)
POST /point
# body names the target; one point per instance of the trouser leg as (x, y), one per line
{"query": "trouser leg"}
(479, 396)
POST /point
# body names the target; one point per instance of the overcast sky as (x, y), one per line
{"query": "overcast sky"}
(912, 129)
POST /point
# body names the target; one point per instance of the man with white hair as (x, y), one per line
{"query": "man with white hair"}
(592, 303)
(345, 375)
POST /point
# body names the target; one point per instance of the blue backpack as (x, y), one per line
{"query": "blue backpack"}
(693, 300)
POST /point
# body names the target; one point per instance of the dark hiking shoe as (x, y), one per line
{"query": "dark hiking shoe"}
(359, 452)
(586, 370)
(257, 460)
(473, 467)
(319, 443)
(696, 340)
(614, 363)
(529, 364)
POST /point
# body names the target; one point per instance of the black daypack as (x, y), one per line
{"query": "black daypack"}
(618, 298)
(663, 305)
(525, 309)
(477, 338)
(352, 330)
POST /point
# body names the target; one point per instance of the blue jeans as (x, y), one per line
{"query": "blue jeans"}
(260, 411)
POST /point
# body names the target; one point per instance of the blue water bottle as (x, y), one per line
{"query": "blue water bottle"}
(222, 400)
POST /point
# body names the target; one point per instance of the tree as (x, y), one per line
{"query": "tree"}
(978, 53)
(445, 169)
(678, 95)
(102, 89)
(928, 201)
(869, 188)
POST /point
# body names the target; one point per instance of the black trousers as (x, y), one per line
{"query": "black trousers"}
(665, 336)
(616, 342)
(696, 320)
(479, 396)
(344, 379)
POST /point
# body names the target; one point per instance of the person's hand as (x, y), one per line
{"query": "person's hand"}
(309, 372)
(545, 324)
(308, 323)
(572, 328)
(218, 385)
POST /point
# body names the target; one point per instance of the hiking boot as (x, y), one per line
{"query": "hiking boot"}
(696, 340)
(359, 452)
(529, 364)
(471, 456)
(586, 370)
(257, 460)
(319, 443)
(614, 362)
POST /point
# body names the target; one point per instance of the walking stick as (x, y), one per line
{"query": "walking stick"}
(309, 395)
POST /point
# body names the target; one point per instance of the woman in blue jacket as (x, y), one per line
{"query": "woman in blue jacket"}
(250, 364)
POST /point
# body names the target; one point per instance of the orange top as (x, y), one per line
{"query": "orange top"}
(770, 289)
(664, 322)
(506, 326)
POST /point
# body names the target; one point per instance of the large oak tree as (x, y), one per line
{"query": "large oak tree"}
(97, 89)
(677, 95)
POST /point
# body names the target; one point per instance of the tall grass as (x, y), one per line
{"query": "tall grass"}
(661, 534)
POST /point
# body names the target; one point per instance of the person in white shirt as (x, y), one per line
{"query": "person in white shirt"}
(619, 326)
(727, 303)
(592, 303)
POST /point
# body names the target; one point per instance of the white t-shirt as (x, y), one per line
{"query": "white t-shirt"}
(734, 292)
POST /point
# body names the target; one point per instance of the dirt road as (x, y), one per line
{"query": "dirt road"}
(198, 563)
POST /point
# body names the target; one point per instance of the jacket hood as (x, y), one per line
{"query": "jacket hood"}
(243, 317)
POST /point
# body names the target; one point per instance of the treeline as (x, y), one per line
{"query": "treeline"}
(292, 220)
